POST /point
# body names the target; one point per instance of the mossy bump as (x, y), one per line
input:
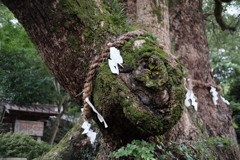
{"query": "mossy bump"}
(148, 92)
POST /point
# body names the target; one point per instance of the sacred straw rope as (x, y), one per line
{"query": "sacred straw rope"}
(207, 85)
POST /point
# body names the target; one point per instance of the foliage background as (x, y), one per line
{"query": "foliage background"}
(24, 77)
(21, 145)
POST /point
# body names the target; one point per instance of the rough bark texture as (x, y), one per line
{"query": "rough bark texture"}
(191, 47)
(152, 15)
(69, 33)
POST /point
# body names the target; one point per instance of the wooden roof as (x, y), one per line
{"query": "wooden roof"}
(11, 112)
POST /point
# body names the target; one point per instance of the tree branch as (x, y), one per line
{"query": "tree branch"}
(218, 15)
(206, 15)
(226, 0)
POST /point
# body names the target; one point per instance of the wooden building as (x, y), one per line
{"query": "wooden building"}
(27, 119)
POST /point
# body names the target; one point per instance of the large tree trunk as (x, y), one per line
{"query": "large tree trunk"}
(70, 35)
(191, 46)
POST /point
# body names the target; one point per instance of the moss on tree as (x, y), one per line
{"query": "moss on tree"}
(151, 97)
(99, 21)
(74, 145)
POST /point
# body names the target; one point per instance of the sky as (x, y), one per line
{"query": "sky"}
(233, 10)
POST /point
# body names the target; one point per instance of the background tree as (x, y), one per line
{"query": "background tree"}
(24, 81)
(225, 54)
(63, 103)
(24, 77)
(70, 35)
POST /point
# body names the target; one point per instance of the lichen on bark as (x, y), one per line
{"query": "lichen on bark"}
(148, 93)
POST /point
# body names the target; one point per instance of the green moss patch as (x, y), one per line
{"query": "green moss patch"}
(97, 21)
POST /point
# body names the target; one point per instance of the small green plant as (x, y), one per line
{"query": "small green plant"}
(117, 16)
(201, 149)
(21, 145)
(140, 149)
(150, 36)
(117, 11)
(189, 150)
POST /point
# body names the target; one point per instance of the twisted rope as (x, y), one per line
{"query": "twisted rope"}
(206, 85)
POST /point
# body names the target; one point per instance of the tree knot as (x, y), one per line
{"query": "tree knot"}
(96, 61)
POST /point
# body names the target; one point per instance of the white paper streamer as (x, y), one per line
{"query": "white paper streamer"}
(190, 96)
(191, 99)
(115, 55)
(113, 66)
(92, 135)
(101, 119)
(86, 126)
(82, 109)
(214, 94)
(115, 59)
(224, 100)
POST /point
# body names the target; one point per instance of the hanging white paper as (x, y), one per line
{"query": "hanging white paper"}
(115, 55)
(191, 97)
(92, 135)
(225, 101)
(82, 109)
(115, 59)
(101, 119)
(86, 126)
(214, 94)
(113, 66)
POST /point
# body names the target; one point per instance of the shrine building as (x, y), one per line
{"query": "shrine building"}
(27, 119)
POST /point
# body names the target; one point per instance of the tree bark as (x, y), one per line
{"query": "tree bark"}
(191, 47)
(69, 34)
